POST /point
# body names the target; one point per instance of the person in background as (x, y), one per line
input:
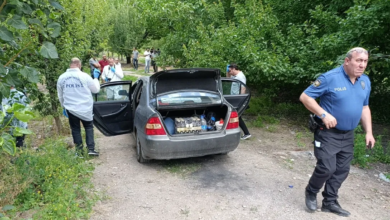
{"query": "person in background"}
(15, 97)
(117, 63)
(94, 64)
(344, 94)
(135, 58)
(103, 62)
(154, 63)
(235, 73)
(74, 89)
(147, 56)
(112, 73)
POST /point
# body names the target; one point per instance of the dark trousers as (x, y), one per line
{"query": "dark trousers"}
(154, 64)
(334, 152)
(20, 141)
(135, 63)
(74, 123)
(243, 126)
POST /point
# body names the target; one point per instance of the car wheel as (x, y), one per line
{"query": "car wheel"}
(140, 158)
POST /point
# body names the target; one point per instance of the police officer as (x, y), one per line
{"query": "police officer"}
(74, 89)
(344, 93)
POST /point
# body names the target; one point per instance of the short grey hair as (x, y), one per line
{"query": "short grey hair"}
(357, 50)
(75, 61)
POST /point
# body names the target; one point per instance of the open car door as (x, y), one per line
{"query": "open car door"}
(236, 93)
(112, 108)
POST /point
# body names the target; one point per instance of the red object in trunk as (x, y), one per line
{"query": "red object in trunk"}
(233, 120)
(154, 127)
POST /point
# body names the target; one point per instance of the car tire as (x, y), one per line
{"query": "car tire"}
(140, 158)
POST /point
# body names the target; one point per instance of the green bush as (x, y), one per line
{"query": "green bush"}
(57, 183)
(362, 156)
(264, 106)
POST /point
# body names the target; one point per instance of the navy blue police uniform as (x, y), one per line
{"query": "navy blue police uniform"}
(333, 147)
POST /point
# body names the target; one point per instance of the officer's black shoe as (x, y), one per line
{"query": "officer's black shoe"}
(93, 153)
(311, 201)
(335, 208)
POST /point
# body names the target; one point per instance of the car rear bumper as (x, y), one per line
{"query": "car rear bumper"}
(164, 147)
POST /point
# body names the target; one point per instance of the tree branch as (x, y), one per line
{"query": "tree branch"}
(2, 5)
(14, 57)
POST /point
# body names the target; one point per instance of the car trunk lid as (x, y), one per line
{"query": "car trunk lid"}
(185, 79)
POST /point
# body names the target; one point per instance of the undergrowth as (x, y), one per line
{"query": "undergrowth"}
(51, 181)
(363, 156)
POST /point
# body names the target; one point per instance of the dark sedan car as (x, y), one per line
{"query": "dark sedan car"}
(167, 113)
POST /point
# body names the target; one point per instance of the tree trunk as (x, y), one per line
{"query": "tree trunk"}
(128, 59)
(58, 124)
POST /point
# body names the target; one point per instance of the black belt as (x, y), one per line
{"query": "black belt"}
(321, 126)
(335, 130)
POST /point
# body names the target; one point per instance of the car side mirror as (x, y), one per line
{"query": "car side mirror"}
(122, 92)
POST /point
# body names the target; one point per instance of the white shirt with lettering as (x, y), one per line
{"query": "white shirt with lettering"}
(74, 90)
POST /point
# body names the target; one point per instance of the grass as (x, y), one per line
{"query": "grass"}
(45, 180)
(51, 181)
(128, 77)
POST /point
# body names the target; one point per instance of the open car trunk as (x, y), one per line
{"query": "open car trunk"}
(188, 121)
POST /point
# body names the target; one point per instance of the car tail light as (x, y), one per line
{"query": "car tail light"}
(233, 121)
(154, 127)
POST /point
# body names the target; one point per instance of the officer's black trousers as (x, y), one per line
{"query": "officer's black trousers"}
(334, 152)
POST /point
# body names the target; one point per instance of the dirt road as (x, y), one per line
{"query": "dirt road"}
(263, 179)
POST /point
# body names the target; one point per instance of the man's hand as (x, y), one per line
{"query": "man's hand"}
(370, 141)
(112, 69)
(329, 121)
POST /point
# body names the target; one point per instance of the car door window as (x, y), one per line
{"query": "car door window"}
(236, 93)
(113, 93)
(234, 88)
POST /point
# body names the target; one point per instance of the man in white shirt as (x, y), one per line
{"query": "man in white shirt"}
(112, 73)
(147, 55)
(74, 89)
(237, 89)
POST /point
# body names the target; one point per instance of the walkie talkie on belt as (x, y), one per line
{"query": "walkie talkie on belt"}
(313, 125)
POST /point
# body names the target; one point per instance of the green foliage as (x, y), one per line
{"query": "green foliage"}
(363, 156)
(281, 46)
(19, 39)
(263, 106)
(52, 181)
(20, 112)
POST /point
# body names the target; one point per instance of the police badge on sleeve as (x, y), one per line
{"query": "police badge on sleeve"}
(317, 83)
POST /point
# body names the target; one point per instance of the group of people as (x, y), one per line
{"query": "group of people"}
(110, 69)
(344, 97)
(150, 59)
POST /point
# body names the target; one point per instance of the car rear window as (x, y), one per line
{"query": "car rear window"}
(189, 98)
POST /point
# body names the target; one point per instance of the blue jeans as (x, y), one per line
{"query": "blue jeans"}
(147, 65)
(135, 63)
(74, 123)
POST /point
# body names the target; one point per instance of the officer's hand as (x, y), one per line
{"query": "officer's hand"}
(370, 141)
(96, 74)
(329, 121)
(113, 70)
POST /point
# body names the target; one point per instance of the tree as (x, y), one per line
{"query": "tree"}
(78, 28)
